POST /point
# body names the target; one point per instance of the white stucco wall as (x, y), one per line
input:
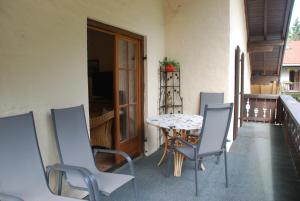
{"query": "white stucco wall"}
(43, 54)
(284, 75)
(202, 36)
(197, 35)
(238, 37)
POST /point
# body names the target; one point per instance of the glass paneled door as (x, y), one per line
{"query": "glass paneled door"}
(127, 93)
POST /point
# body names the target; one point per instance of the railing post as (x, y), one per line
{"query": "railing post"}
(279, 112)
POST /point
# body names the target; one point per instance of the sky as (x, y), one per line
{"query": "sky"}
(296, 12)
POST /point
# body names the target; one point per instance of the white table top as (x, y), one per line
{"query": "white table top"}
(176, 121)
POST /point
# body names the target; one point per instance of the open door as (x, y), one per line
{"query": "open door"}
(236, 92)
(127, 96)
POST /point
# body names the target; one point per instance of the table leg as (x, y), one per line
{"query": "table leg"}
(163, 157)
(178, 158)
(178, 161)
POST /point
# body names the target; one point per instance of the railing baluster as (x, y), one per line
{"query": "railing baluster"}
(247, 109)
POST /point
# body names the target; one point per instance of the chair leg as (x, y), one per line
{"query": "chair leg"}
(225, 159)
(196, 176)
(199, 164)
(218, 159)
(135, 189)
(169, 161)
(59, 180)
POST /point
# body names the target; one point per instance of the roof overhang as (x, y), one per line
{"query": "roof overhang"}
(267, 27)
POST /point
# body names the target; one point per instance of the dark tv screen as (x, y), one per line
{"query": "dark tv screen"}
(103, 85)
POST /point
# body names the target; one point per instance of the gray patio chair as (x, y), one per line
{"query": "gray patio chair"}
(21, 171)
(213, 138)
(5, 197)
(74, 149)
(209, 98)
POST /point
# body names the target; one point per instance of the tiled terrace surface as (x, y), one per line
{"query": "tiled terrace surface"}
(260, 169)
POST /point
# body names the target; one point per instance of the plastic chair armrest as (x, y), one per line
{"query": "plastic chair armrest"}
(86, 175)
(125, 155)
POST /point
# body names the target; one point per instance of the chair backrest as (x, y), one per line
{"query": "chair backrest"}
(215, 128)
(21, 168)
(72, 137)
(209, 98)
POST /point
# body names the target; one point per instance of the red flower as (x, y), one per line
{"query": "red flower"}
(169, 68)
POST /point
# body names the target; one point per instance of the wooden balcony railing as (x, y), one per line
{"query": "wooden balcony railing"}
(290, 87)
(260, 108)
(289, 110)
(281, 110)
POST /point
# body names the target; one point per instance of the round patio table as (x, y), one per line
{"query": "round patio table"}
(179, 124)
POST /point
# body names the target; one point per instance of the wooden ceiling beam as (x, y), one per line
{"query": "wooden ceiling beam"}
(267, 43)
(264, 46)
(266, 73)
(280, 58)
(286, 22)
(252, 49)
(287, 16)
(266, 20)
(256, 37)
(266, 70)
(267, 40)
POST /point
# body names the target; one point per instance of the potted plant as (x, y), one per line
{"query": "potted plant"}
(169, 65)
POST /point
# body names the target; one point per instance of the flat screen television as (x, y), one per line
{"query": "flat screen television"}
(103, 85)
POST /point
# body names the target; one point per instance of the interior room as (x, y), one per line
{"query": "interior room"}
(101, 97)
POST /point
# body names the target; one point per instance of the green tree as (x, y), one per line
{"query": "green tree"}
(294, 32)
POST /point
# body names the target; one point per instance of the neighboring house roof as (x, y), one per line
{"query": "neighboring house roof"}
(292, 54)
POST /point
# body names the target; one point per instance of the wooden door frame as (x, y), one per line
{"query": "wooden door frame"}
(112, 30)
(127, 145)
